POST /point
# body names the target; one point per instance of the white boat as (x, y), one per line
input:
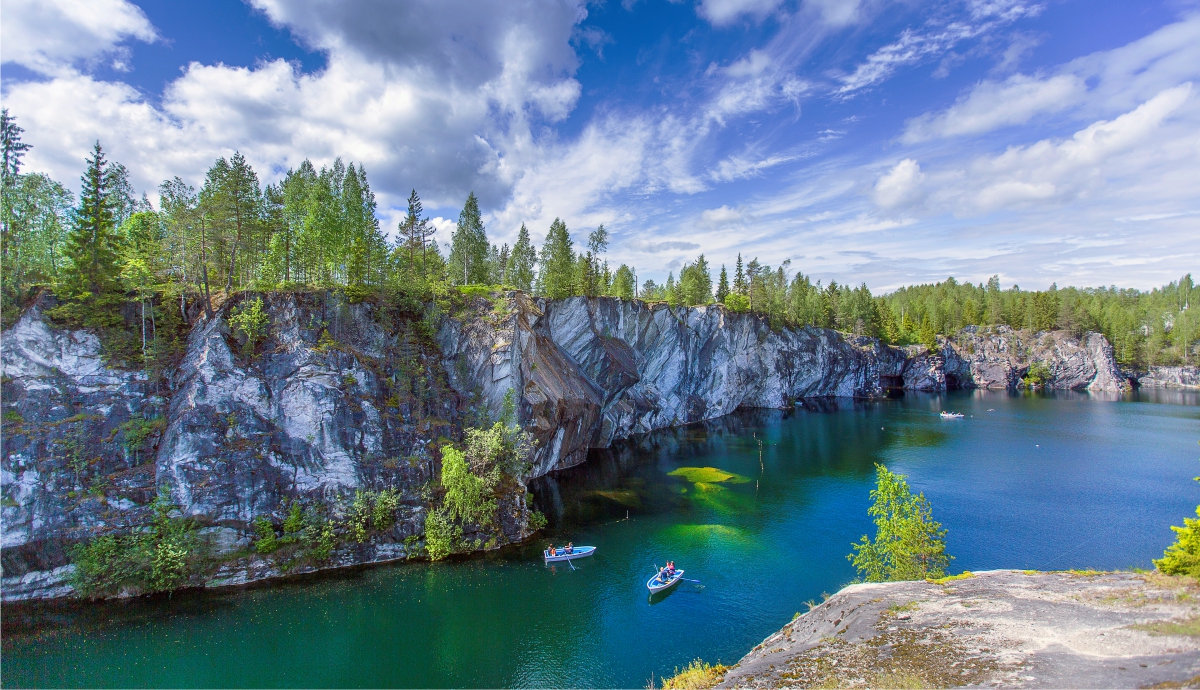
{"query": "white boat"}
(951, 415)
(576, 552)
(656, 584)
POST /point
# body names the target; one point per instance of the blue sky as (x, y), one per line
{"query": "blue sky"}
(863, 141)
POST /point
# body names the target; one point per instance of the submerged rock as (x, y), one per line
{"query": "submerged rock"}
(1002, 627)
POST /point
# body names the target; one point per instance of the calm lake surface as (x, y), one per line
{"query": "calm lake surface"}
(1050, 481)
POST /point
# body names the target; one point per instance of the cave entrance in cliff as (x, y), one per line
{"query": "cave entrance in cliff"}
(893, 386)
(952, 382)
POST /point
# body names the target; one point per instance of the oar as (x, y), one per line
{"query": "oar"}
(571, 564)
(688, 579)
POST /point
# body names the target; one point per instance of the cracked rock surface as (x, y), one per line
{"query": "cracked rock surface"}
(999, 628)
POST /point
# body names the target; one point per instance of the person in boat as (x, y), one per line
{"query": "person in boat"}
(570, 548)
(552, 551)
(670, 569)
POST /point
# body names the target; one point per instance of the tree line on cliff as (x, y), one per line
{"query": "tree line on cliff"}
(317, 228)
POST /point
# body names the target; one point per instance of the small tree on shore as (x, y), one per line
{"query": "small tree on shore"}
(1183, 557)
(909, 544)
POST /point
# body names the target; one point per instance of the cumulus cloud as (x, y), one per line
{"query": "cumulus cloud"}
(447, 104)
(651, 247)
(51, 36)
(1049, 169)
(991, 105)
(899, 186)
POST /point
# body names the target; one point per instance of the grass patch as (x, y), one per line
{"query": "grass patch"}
(905, 608)
(695, 676)
(964, 575)
(1189, 627)
(708, 475)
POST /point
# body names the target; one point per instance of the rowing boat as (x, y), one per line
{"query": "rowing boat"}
(654, 584)
(952, 415)
(576, 552)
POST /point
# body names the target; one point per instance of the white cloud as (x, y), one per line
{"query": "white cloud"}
(724, 12)
(722, 216)
(50, 36)
(899, 186)
(1049, 169)
(997, 104)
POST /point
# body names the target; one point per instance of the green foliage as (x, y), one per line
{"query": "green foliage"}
(267, 542)
(1183, 556)
(908, 544)
(469, 247)
(557, 277)
(442, 537)
(294, 523)
(537, 521)
(163, 557)
(93, 246)
(1038, 374)
(695, 283)
(140, 435)
(371, 511)
(737, 303)
(468, 496)
(521, 262)
(250, 322)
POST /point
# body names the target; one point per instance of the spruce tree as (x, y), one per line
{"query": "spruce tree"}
(722, 285)
(557, 277)
(623, 283)
(521, 261)
(469, 247)
(93, 245)
(739, 277)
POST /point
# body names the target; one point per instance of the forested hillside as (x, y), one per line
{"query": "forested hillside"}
(318, 229)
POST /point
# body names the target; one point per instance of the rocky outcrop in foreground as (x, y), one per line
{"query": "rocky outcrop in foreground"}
(346, 398)
(1003, 627)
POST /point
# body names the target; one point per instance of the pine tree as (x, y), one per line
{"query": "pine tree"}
(739, 277)
(469, 246)
(411, 230)
(557, 277)
(521, 261)
(93, 245)
(233, 205)
(722, 285)
(695, 283)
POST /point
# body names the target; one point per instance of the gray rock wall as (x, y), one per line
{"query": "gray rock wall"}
(312, 420)
(1170, 377)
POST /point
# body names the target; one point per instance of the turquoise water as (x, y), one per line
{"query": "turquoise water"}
(1025, 481)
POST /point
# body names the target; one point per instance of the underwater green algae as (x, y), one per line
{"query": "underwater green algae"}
(707, 475)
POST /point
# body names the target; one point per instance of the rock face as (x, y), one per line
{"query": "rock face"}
(1170, 377)
(1003, 627)
(66, 472)
(341, 398)
(999, 357)
(588, 371)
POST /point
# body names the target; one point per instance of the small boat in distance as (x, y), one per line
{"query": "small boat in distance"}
(951, 415)
(576, 552)
(655, 584)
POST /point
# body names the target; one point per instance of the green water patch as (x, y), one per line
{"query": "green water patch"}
(921, 437)
(691, 536)
(708, 475)
(625, 497)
